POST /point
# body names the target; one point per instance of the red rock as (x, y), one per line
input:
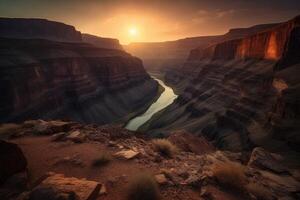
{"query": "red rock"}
(12, 160)
(58, 186)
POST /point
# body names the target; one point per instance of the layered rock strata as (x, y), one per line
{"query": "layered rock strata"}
(38, 28)
(54, 79)
(239, 93)
(101, 42)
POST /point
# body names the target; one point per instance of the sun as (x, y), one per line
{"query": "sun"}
(133, 31)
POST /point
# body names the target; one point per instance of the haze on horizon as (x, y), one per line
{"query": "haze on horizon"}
(154, 20)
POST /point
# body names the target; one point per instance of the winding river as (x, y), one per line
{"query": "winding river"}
(166, 98)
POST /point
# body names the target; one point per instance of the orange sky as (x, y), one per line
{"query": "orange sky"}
(153, 20)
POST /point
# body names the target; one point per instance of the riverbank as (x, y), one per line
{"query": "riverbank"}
(166, 98)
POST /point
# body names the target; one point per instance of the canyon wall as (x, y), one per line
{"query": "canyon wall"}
(269, 45)
(172, 54)
(239, 93)
(101, 42)
(70, 80)
(38, 28)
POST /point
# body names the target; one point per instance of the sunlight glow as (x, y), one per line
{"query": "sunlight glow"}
(133, 31)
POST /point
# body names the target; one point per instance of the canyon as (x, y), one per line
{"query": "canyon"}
(49, 72)
(164, 56)
(238, 93)
(216, 117)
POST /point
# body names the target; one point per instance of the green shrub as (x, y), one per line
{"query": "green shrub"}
(143, 187)
(165, 147)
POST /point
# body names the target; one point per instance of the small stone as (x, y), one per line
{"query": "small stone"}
(161, 179)
(103, 190)
(205, 194)
(76, 136)
(127, 154)
(112, 144)
(58, 136)
(194, 181)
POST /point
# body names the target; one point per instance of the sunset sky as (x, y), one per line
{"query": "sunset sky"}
(153, 20)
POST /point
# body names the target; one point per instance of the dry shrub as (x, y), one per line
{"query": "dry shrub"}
(103, 159)
(259, 191)
(165, 147)
(230, 174)
(143, 187)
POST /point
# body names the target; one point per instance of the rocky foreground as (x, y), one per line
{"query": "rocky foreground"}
(67, 160)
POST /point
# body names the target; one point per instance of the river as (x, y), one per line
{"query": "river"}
(166, 98)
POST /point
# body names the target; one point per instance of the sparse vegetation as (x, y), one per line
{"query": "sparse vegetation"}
(143, 187)
(230, 174)
(165, 147)
(103, 159)
(259, 191)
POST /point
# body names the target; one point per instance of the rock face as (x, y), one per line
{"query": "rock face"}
(262, 159)
(50, 79)
(239, 92)
(38, 28)
(12, 160)
(108, 43)
(172, 54)
(269, 45)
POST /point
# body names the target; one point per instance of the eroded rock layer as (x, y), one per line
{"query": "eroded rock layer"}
(47, 79)
(109, 43)
(38, 28)
(239, 93)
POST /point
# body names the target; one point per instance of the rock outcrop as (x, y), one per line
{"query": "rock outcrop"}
(12, 160)
(101, 42)
(262, 174)
(239, 93)
(50, 79)
(38, 28)
(58, 187)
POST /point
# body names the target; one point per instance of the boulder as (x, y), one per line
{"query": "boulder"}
(49, 127)
(12, 160)
(59, 136)
(262, 159)
(76, 136)
(50, 193)
(59, 187)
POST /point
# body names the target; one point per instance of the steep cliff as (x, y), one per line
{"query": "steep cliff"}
(239, 93)
(38, 28)
(101, 42)
(172, 54)
(48, 79)
(269, 45)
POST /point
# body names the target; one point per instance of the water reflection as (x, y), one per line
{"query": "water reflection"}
(165, 99)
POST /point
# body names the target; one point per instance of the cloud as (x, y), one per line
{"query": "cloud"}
(225, 13)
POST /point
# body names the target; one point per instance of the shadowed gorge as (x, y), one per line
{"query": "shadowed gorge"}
(49, 79)
(150, 100)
